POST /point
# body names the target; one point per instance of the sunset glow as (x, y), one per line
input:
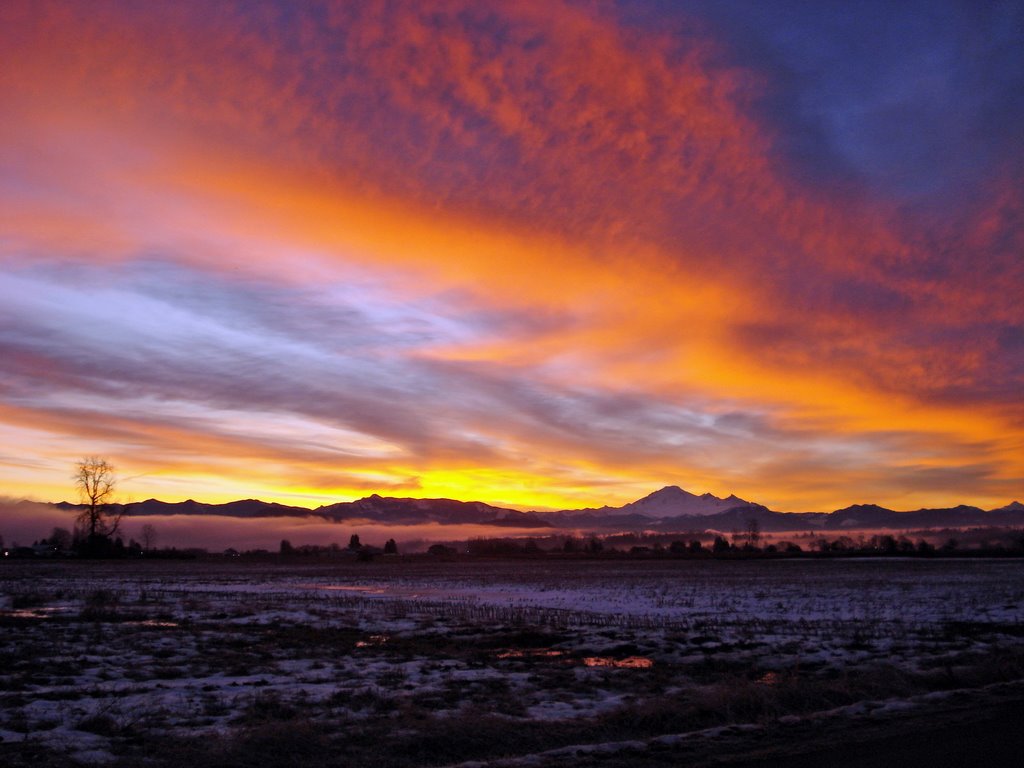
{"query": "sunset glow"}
(545, 255)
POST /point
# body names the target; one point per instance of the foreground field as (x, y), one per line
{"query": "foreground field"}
(510, 663)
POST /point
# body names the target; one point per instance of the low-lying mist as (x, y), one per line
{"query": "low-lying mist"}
(24, 522)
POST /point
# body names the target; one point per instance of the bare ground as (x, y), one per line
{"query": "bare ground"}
(405, 664)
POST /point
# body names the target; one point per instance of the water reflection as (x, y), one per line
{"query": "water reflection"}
(630, 662)
(372, 641)
(530, 653)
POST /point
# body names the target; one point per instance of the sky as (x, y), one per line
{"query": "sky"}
(541, 254)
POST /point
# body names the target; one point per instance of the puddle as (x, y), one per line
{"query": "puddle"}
(350, 588)
(372, 641)
(396, 591)
(47, 612)
(539, 653)
(152, 623)
(630, 662)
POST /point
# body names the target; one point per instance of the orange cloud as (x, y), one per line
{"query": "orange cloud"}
(606, 186)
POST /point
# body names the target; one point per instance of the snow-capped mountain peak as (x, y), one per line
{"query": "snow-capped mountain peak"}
(673, 501)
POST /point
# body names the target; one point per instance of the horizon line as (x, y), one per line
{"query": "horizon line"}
(532, 510)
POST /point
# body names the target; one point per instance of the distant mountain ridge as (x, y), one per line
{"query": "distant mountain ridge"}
(673, 501)
(670, 501)
(669, 509)
(380, 509)
(413, 511)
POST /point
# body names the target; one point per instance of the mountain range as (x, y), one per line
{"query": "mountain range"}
(668, 509)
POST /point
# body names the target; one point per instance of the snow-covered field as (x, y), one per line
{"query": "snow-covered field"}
(443, 662)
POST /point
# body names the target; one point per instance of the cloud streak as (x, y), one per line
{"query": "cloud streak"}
(533, 254)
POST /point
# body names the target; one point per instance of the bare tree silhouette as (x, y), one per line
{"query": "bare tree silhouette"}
(753, 533)
(94, 477)
(149, 537)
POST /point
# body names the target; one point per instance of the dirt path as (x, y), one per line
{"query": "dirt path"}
(973, 729)
(992, 738)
